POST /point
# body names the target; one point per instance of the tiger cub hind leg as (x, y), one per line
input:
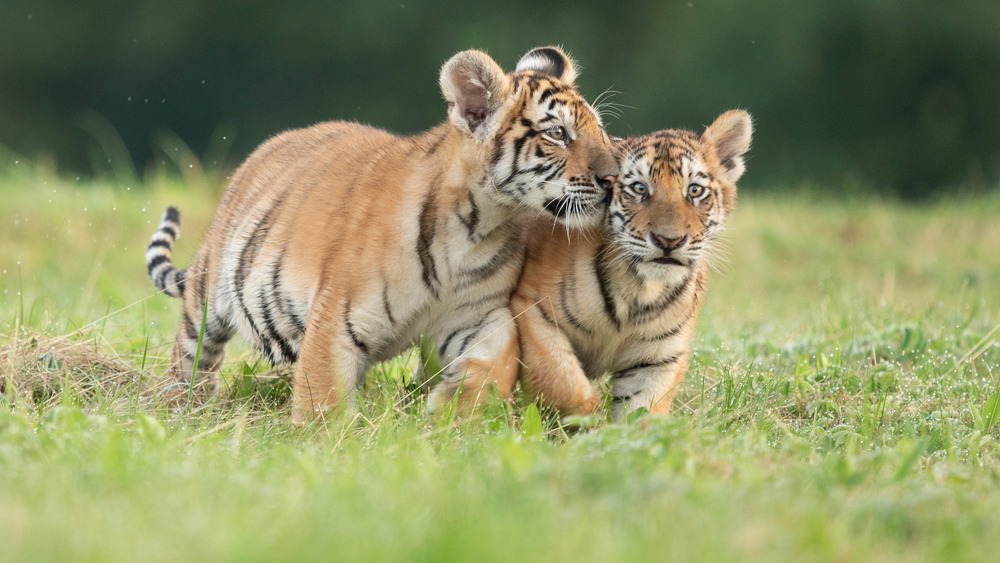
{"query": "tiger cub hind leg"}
(201, 337)
(331, 365)
(475, 359)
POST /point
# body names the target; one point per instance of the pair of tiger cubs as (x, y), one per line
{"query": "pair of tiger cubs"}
(339, 245)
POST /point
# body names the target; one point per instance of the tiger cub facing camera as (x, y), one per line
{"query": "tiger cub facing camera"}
(338, 245)
(624, 298)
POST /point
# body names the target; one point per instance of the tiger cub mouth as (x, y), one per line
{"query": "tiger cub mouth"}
(575, 206)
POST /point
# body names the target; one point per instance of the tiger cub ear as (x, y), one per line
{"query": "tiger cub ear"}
(549, 60)
(730, 135)
(475, 87)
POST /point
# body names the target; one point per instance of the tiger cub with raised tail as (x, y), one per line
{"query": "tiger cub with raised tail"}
(338, 245)
(624, 298)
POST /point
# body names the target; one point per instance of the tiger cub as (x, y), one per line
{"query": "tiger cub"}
(336, 246)
(624, 298)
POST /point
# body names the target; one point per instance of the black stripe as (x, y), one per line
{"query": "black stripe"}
(189, 327)
(247, 256)
(555, 59)
(510, 249)
(518, 146)
(546, 317)
(632, 370)
(472, 220)
(436, 144)
(623, 398)
(428, 220)
(603, 285)
(497, 153)
(168, 230)
(284, 305)
(641, 313)
(355, 337)
(202, 283)
(385, 304)
(447, 341)
(475, 328)
(172, 214)
(503, 293)
(548, 117)
(287, 354)
(561, 165)
(161, 278)
(567, 312)
(156, 261)
(161, 243)
(546, 94)
(471, 335)
(540, 168)
(672, 331)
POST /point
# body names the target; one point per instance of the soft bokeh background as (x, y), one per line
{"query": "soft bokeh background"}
(895, 96)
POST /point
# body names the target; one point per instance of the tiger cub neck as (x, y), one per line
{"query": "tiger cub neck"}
(468, 187)
(640, 301)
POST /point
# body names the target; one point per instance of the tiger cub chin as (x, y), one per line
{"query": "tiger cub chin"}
(624, 298)
(338, 245)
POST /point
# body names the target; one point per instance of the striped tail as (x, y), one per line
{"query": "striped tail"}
(167, 277)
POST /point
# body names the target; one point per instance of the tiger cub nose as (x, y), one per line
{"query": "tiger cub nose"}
(667, 244)
(605, 182)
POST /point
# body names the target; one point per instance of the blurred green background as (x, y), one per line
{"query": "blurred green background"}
(901, 97)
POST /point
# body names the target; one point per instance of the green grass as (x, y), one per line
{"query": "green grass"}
(838, 407)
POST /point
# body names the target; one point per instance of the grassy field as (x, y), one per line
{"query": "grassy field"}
(842, 405)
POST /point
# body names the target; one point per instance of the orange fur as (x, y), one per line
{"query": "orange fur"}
(625, 298)
(340, 244)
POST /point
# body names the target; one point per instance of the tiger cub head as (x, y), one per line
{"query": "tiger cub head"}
(675, 193)
(543, 145)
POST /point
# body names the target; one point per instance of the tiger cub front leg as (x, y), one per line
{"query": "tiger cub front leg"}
(329, 368)
(550, 370)
(650, 384)
(476, 356)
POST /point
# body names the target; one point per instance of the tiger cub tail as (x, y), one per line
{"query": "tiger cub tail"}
(166, 277)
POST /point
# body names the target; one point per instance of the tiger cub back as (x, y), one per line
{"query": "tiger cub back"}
(624, 298)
